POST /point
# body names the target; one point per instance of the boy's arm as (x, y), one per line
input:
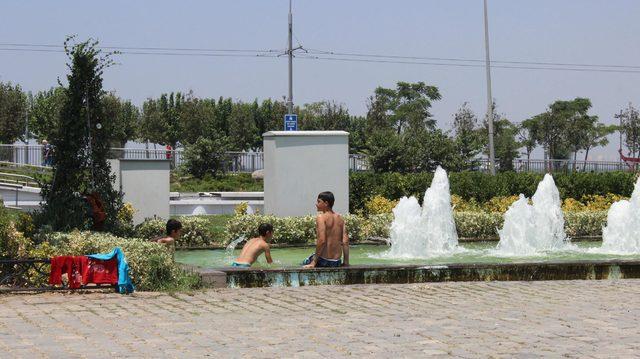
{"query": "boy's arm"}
(322, 237)
(267, 253)
(345, 245)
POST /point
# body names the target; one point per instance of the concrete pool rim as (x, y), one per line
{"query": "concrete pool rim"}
(418, 273)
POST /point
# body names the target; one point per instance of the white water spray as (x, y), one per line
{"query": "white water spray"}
(428, 231)
(232, 246)
(622, 233)
(532, 229)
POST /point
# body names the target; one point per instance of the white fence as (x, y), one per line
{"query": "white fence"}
(237, 161)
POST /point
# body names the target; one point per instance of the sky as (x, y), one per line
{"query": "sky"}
(567, 31)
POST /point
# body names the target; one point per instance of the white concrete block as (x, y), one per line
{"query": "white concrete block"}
(300, 164)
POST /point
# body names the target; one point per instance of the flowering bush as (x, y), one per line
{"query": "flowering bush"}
(482, 225)
(195, 231)
(586, 223)
(379, 205)
(151, 264)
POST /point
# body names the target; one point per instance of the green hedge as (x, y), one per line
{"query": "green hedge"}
(483, 187)
(477, 225)
(151, 264)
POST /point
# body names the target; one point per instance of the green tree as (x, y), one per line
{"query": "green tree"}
(81, 142)
(504, 140)
(630, 128)
(13, 112)
(597, 137)
(45, 112)
(196, 115)
(324, 116)
(242, 127)
(528, 136)
(467, 138)
(207, 156)
(124, 118)
(405, 107)
(386, 152)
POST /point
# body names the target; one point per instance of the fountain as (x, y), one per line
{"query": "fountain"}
(428, 231)
(622, 233)
(537, 228)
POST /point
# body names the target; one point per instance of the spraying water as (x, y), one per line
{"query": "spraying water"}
(622, 233)
(428, 231)
(232, 246)
(532, 229)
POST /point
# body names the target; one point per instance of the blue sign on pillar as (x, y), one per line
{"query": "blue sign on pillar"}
(291, 122)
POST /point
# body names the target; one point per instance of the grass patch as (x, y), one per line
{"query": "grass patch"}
(237, 182)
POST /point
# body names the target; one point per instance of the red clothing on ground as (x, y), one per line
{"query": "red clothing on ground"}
(102, 272)
(74, 266)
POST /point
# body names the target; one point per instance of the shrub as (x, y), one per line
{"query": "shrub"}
(588, 223)
(379, 205)
(481, 225)
(195, 231)
(207, 156)
(151, 264)
(482, 187)
(499, 204)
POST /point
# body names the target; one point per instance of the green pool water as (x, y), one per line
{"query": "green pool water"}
(477, 252)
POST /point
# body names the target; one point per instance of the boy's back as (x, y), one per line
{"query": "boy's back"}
(250, 252)
(333, 229)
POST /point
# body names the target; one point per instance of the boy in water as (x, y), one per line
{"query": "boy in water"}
(333, 242)
(173, 232)
(255, 246)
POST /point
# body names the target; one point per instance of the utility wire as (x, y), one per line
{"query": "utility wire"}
(323, 55)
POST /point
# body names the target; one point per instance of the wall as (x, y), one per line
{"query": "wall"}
(301, 164)
(145, 184)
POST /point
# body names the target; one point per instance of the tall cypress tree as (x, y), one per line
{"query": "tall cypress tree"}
(81, 148)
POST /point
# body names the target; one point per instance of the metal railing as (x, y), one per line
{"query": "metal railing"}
(557, 166)
(34, 156)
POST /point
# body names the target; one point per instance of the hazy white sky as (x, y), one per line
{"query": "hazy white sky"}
(565, 31)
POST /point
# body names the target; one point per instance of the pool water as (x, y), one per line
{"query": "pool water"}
(476, 252)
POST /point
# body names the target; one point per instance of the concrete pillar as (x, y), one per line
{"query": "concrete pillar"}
(300, 164)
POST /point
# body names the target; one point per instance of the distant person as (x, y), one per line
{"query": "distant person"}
(332, 243)
(255, 246)
(47, 153)
(173, 233)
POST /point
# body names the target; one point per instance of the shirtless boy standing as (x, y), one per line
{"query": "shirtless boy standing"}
(333, 242)
(255, 246)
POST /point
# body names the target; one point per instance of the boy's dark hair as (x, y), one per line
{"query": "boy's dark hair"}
(264, 228)
(173, 225)
(327, 197)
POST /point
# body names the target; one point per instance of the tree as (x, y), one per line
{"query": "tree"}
(406, 107)
(45, 112)
(81, 141)
(325, 116)
(386, 152)
(468, 141)
(152, 126)
(195, 117)
(579, 124)
(13, 111)
(597, 136)
(504, 140)
(207, 156)
(242, 127)
(528, 136)
(124, 118)
(630, 127)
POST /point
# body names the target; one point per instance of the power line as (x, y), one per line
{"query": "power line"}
(149, 48)
(265, 55)
(340, 54)
(451, 64)
(339, 57)
(372, 55)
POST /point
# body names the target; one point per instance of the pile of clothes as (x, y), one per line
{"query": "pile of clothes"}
(100, 269)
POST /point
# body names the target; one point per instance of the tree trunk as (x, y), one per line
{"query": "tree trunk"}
(586, 155)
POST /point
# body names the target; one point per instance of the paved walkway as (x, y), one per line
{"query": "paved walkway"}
(498, 319)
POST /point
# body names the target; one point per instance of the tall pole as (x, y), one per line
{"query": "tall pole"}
(290, 52)
(492, 160)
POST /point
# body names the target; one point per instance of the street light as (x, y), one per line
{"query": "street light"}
(492, 161)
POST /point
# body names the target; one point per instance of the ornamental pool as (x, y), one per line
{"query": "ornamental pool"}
(474, 252)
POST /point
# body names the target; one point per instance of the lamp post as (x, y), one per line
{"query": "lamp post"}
(492, 161)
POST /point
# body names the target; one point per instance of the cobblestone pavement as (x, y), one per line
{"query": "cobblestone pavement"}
(482, 319)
